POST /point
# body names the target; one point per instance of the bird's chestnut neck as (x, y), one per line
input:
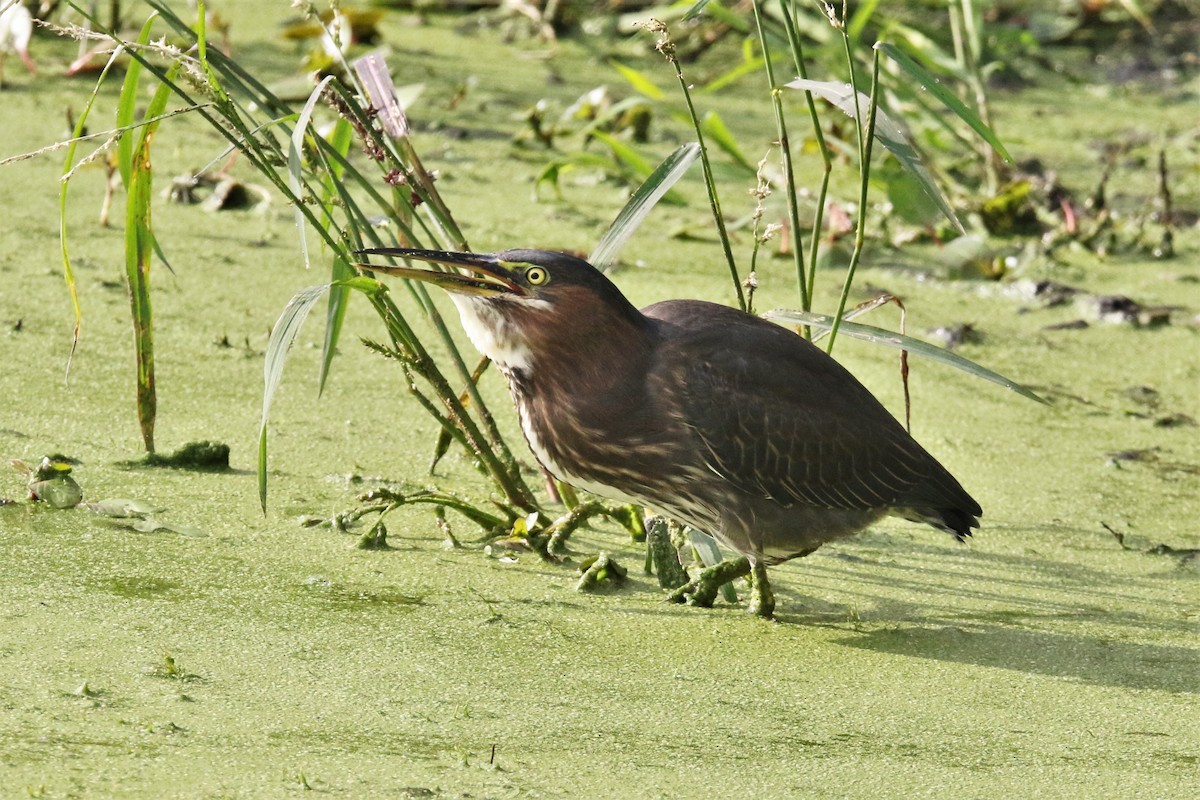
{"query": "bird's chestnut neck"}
(566, 337)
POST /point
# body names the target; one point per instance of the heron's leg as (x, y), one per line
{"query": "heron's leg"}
(702, 590)
(762, 599)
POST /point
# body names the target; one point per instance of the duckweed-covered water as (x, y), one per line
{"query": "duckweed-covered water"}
(247, 656)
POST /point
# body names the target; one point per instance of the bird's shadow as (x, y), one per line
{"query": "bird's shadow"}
(1026, 613)
(1095, 660)
(1086, 620)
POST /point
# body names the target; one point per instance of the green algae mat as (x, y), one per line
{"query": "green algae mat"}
(223, 653)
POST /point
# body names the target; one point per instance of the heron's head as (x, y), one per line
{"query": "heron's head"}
(521, 307)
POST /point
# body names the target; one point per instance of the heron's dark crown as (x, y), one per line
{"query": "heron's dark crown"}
(565, 276)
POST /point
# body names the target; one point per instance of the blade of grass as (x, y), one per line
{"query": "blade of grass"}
(608, 118)
(287, 327)
(335, 317)
(808, 280)
(127, 105)
(695, 10)
(296, 161)
(202, 54)
(643, 200)
(881, 336)
(138, 253)
(732, 17)
(133, 162)
(966, 22)
(641, 84)
(743, 69)
(866, 140)
(788, 167)
(625, 155)
(554, 170)
(947, 97)
(722, 137)
(859, 19)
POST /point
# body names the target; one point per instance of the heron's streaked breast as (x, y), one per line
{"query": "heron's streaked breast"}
(646, 473)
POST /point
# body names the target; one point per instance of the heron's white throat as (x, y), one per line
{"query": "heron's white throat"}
(493, 334)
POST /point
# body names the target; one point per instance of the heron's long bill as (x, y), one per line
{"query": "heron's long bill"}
(486, 275)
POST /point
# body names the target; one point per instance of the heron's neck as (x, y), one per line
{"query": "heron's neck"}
(533, 341)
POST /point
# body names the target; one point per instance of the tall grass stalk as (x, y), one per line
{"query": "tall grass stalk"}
(788, 168)
(870, 123)
(797, 49)
(966, 30)
(866, 140)
(667, 48)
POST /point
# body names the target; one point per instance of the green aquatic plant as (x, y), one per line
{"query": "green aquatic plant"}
(333, 198)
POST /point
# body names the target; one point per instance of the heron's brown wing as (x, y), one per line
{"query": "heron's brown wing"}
(796, 446)
(782, 420)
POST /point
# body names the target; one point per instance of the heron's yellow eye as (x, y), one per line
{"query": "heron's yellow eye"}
(536, 276)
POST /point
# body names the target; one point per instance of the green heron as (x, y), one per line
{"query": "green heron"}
(717, 418)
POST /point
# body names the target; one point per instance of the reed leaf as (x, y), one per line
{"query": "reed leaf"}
(643, 200)
(695, 10)
(746, 67)
(339, 295)
(140, 245)
(639, 81)
(720, 135)
(881, 336)
(127, 106)
(627, 156)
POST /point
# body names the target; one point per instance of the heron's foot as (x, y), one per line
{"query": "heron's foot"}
(762, 599)
(689, 593)
(702, 590)
(662, 557)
